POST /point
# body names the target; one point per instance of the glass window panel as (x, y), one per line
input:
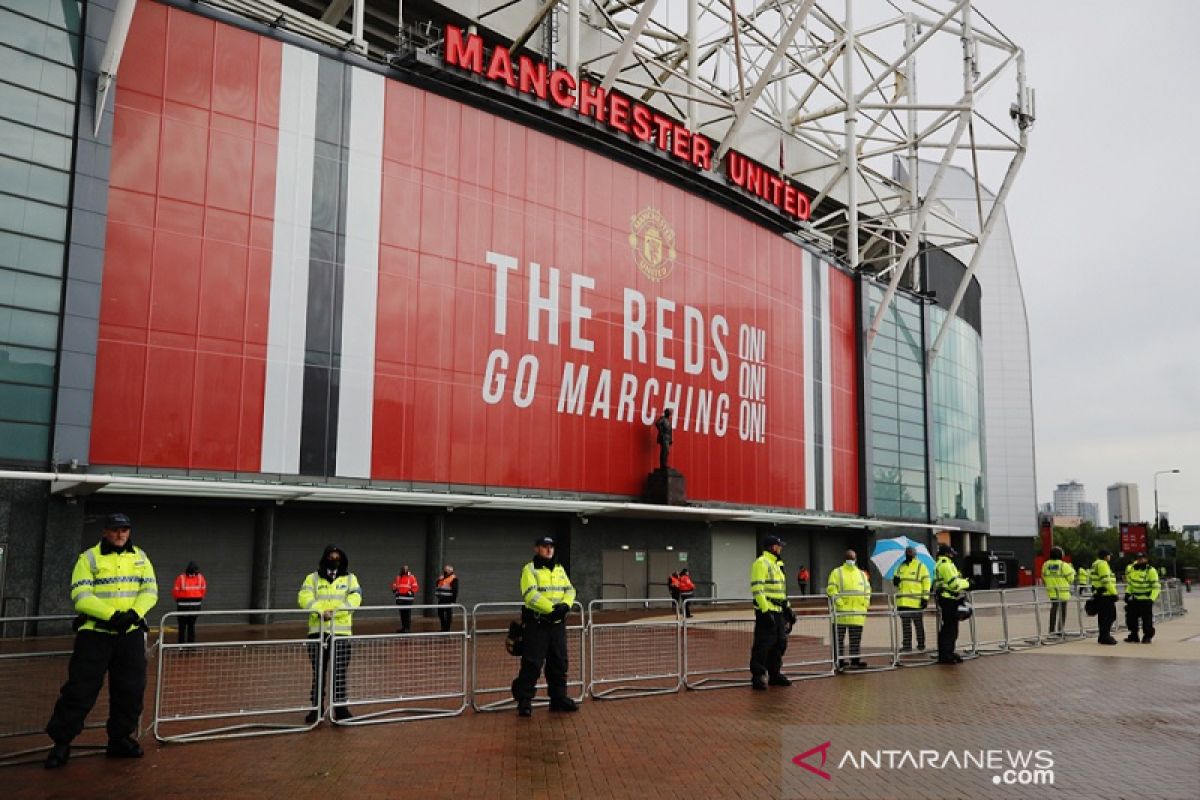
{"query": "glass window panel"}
(32, 72)
(31, 328)
(884, 425)
(912, 399)
(883, 458)
(22, 365)
(29, 291)
(24, 441)
(36, 219)
(31, 108)
(31, 180)
(31, 255)
(56, 12)
(886, 442)
(887, 508)
(34, 145)
(38, 38)
(24, 403)
(914, 447)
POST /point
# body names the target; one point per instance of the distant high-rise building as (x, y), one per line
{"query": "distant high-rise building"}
(1046, 508)
(1067, 497)
(1090, 512)
(1123, 503)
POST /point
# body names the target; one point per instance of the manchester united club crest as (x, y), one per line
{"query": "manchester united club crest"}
(653, 241)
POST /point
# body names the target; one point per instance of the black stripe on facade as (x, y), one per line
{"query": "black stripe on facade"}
(326, 276)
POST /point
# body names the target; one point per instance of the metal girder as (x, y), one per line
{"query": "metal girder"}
(631, 35)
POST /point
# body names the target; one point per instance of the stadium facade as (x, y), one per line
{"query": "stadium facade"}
(270, 289)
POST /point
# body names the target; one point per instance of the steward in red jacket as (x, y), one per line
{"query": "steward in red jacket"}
(189, 591)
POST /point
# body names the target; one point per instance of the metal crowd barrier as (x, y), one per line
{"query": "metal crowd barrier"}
(877, 647)
(34, 652)
(634, 648)
(1022, 618)
(493, 669)
(810, 650)
(717, 637)
(261, 681)
(1069, 626)
(922, 650)
(380, 675)
(988, 624)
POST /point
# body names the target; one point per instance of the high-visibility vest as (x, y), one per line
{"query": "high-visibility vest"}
(851, 592)
(685, 584)
(914, 584)
(1104, 582)
(1141, 583)
(673, 581)
(105, 583)
(341, 595)
(542, 588)
(405, 587)
(445, 588)
(1058, 576)
(948, 581)
(1082, 576)
(767, 584)
(190, 587)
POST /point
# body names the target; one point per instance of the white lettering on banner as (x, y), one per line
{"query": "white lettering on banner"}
(702, 345)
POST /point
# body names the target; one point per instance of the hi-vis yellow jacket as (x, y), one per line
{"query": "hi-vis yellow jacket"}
(542, 588)
(914, 584)
(851, 592)
(104, 583)
(768, 586)
(341, 595)
(1058, 575)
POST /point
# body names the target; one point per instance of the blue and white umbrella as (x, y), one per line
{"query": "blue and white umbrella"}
(889, 553)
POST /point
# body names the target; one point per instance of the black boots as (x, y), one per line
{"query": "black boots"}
(125, 747)
(563, 704)
(58, 756)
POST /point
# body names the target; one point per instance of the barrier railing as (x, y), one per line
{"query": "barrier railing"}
(493, 669)
(1061, 617)
(258, 680)
(1022, 618)
(34, 653)
(988, 626)
(717, 637)
(810, 650)
(377, 675)
(865, 640)
(635, 648)
(916, 629)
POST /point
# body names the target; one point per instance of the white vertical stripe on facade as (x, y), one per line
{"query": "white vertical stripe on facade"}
(826, 390)
(363, 196)
(283, 395)
(810, 427)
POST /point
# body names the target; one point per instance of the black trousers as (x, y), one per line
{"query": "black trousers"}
(770, 643)
(948, 628)
(1140, 612)
(445, 615)
(1106, 615)
(1058, 615)
(405, 614)
(912, 619)
(854, 634)
(340, 665)
(187, 623)
(545, 646)
(123, 658)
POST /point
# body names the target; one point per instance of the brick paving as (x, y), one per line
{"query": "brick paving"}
(1141, 717)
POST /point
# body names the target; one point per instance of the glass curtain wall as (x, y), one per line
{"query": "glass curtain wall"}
(39, 63)
(895, 412)
(958, 442)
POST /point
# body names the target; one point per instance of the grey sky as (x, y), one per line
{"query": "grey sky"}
(1101, 218)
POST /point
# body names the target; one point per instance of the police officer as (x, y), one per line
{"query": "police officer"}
(331, 593)
(851, 592)
(912, 583)
(113, 588)
(949, 585)
(1058, 575)
(1104, 592)
(548, 594)
(773, 617)
(1141, 590)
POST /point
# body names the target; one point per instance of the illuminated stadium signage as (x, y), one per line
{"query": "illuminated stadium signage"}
(621, 114)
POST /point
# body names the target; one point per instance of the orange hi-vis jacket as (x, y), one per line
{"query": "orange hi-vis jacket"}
(190, 587)
(685, 584)
(405, 587)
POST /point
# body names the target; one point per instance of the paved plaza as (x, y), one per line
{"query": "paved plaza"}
(1121, 721)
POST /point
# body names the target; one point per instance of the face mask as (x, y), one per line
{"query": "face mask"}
(330, 568)
(850, 563)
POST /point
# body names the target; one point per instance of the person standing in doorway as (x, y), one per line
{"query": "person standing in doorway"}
(445, 591)
(803, 577)
(190, 588)
(405, 589)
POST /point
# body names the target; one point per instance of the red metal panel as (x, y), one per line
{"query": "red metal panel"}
(844, 354)
(185, 300)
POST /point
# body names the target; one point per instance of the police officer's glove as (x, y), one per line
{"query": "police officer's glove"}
(896, 581)
(560, 612)
(121, 621)
(789, 616)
